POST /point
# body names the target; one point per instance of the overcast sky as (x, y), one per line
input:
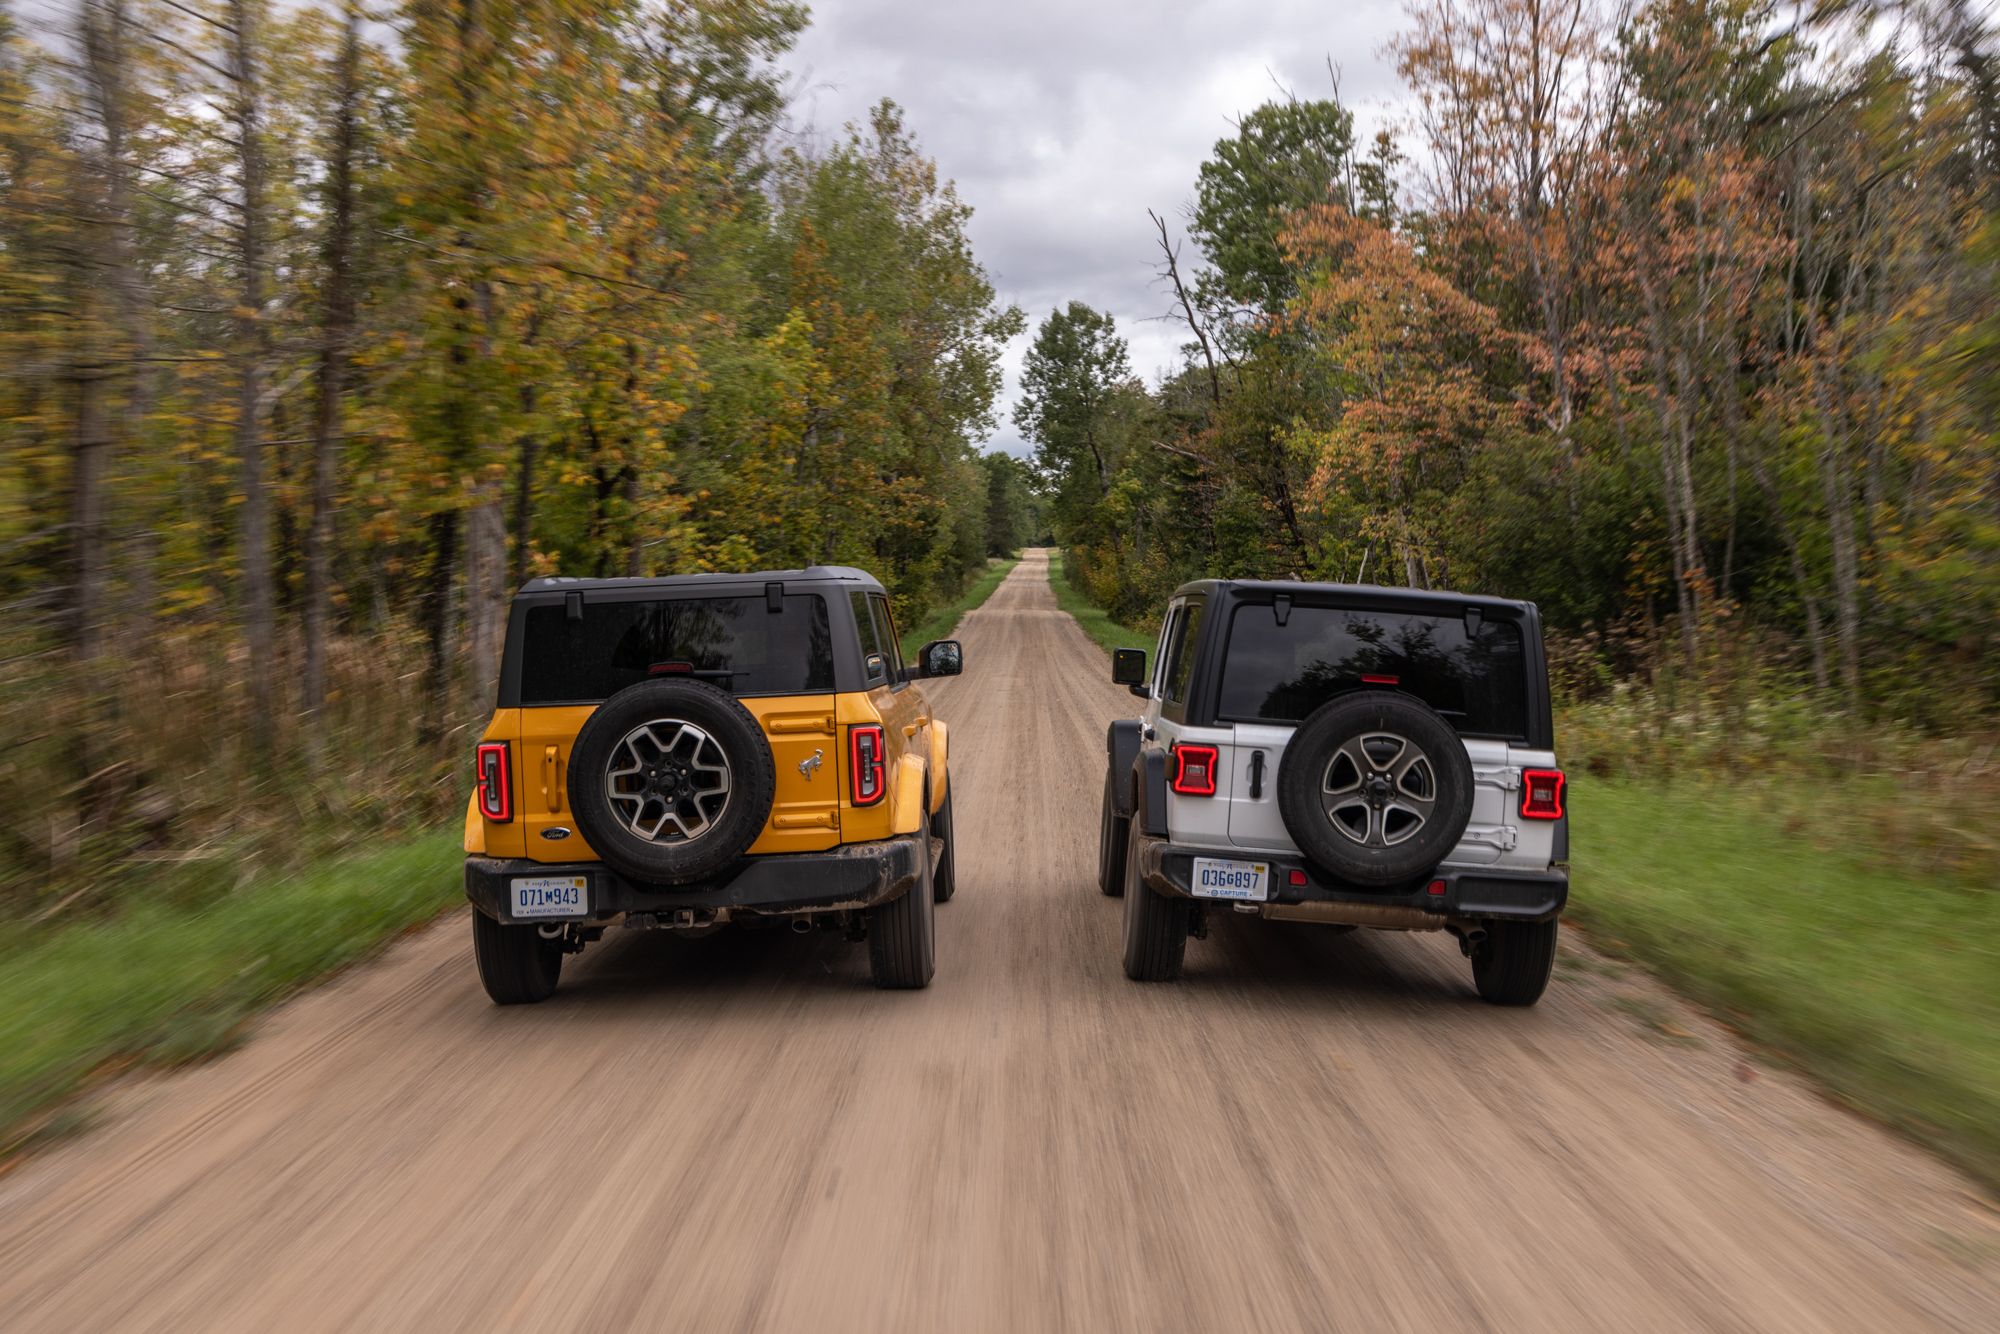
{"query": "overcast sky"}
(1062, 123)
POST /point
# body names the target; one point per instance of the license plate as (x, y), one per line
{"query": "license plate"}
(1220, 878)
(552, 896)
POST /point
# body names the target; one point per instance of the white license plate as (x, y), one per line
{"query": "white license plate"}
(552, 896)
(1221, 878)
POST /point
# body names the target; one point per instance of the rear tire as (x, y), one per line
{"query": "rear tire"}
(1512, 967)
(902, 936)
(1111, 846)
(1156, 925)
(516, 966)
(945, 877)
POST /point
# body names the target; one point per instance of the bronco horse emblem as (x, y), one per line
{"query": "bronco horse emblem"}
(810, 764)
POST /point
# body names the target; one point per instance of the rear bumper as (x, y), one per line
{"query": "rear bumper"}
(1469, 894)
(856, 876)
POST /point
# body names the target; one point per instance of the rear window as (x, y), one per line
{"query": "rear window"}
(737, 643)
(1275, 673)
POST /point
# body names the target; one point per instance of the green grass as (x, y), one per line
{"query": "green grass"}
(940, 623)
(1883, 985)
(1096, 621)
(162, 983)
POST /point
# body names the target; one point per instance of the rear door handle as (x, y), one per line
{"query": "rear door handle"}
(551, 779)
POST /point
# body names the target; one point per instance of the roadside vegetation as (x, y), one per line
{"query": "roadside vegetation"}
(940, 623)
(173, 976)
(1096, 622)
(1882, 981)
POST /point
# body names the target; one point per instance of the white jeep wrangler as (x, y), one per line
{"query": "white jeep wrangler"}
(1378, 757)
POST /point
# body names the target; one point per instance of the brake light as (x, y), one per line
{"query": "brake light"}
(1194, 770)
(1371, 679)
(495, 781)
(865, 764)
(1542, 794)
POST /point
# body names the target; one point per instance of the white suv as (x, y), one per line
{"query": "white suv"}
(1358, 756)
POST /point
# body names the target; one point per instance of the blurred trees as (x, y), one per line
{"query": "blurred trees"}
(1676, 318)
(322, 328)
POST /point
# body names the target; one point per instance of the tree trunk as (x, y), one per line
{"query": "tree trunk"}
(336, 333)
(437, 607)
(524, 507)
(259, 602)
(1846, 569)
(485, 590)
(635, 547)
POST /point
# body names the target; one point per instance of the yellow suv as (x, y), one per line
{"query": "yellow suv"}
(684, 752)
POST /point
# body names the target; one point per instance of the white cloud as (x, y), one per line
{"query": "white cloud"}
(1062, 123)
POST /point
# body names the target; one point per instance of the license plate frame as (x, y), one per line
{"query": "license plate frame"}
(544, 897)
(1235, 879)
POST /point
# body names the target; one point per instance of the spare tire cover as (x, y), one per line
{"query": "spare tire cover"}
(1375, 788)
(670, 780)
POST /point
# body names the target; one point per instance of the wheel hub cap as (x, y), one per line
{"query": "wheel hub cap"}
(667, 781)
(1379, 790)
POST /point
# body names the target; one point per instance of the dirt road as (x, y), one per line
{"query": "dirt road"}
(1311, 1131)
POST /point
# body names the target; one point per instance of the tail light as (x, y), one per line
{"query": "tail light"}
(1194, 770)
(865, 763)
(495, 781)
(1542, 794)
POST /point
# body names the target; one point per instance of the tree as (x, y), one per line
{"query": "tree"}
(1284, 156)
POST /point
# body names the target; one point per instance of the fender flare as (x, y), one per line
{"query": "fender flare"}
(940, 764)
(1121, 743)
(1149, 783)
(912, 785)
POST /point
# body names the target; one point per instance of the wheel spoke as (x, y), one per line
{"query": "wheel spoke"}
(668, 781)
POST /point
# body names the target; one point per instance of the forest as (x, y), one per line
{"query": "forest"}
(323, 328)
(1677, 317)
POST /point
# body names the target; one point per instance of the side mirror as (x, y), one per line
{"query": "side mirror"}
(1128, 669)
(940, 657)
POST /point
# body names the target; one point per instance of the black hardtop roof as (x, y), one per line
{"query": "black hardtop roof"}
(676, 583)
(1378, 595)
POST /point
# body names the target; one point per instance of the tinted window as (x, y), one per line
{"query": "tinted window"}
(892, 647)
(738, 644)
(1180, 653)
(1282, 673)
(871, 640)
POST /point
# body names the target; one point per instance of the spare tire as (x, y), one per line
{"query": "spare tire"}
(670, 781)
(1375, 788)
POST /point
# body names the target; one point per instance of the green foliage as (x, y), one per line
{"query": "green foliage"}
(1013, 511)
(1285, 156)
(1096, 622)
(1884, 984)
(172, 980)
(940, 623)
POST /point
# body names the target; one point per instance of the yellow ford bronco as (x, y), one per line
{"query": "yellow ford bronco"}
(684, 752)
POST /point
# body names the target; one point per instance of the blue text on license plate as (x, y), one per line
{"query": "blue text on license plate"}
(1221, 878)
(552, 896)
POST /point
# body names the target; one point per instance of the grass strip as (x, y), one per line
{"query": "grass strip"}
(161, 984)
(1883, 986)
(940, 623)
(1096, 621)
